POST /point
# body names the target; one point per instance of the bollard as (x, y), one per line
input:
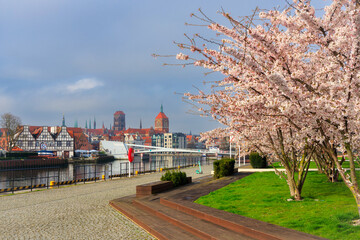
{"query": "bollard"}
(103, 177)
(161, 169)
(136, 172)
(52, 183)
(179, 167)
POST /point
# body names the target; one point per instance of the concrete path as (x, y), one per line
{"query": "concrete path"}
(75, 212)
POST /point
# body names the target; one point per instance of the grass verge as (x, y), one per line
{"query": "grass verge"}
(326, 210)
(313, 165)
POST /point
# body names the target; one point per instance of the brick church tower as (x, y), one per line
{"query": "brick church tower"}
(119, 121)
(162, 122)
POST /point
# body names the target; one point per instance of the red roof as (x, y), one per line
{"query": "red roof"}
(144, 131)
(161, 115)
(116, 138)
(17, 149)
(74, 132)
(99, 131)
(147, 141)
(35, 130)
(118, 132)
(119, 113)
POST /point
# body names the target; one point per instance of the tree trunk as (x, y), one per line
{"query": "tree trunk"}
(294, 187)
(349, 180)
(297, 196)
(357, 199)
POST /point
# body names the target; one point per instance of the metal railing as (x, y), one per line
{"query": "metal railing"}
(16, 179)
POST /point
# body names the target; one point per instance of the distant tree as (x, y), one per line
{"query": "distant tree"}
(12, 124)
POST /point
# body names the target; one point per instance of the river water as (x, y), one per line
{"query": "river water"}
(119, 168)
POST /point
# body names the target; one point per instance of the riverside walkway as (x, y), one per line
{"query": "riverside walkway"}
(75, 212)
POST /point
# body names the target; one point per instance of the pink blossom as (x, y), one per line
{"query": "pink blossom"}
(181, 56)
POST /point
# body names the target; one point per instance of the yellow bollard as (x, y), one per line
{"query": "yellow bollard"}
(52, 183)
(136, 172)
(179, 167)
(103, 177)
(161, 169)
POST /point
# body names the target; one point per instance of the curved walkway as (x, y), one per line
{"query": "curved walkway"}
(75, 212)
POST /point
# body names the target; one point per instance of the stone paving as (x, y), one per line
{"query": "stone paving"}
(75, 212)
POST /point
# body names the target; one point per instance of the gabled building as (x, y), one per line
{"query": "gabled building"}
(133, 139)
(55, 139)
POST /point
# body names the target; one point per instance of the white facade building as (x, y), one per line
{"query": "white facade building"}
(58, 141)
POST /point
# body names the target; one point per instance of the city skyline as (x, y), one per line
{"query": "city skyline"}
(92, 58)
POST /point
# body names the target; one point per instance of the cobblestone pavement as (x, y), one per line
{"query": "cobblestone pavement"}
(75, 212)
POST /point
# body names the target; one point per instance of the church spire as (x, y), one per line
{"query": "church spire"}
(90, 123)
(86, 124)
(140, 124)
(161, 109)
(94, 122)
(63, 121)
(76, 123)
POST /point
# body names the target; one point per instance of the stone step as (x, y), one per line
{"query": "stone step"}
(157, 227)
(198, 227)
(250, 227)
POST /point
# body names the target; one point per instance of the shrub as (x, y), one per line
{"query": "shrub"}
(216, 165)
(223, 167)
(257, 161)
(176, 177)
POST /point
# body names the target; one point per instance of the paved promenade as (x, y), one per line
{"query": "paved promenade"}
(75, 212)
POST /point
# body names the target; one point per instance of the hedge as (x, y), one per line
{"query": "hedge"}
(223, 167)
(176, 177)
(257, 161)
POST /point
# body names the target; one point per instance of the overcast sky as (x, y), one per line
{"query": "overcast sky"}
(90, 58)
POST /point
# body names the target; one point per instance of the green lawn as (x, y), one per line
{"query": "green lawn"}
(327, 209)
(313, 165)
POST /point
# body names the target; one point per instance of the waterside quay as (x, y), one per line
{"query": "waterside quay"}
(77, 212)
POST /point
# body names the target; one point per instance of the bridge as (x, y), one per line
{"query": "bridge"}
(152, 149)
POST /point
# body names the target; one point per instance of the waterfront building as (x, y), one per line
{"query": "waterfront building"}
(119, 121)
(162, 122)
(157, 140)
(174, 140)
(81, 140)
(55, 139)
(133, 139)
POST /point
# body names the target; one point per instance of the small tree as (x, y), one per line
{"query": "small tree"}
(12, 124)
